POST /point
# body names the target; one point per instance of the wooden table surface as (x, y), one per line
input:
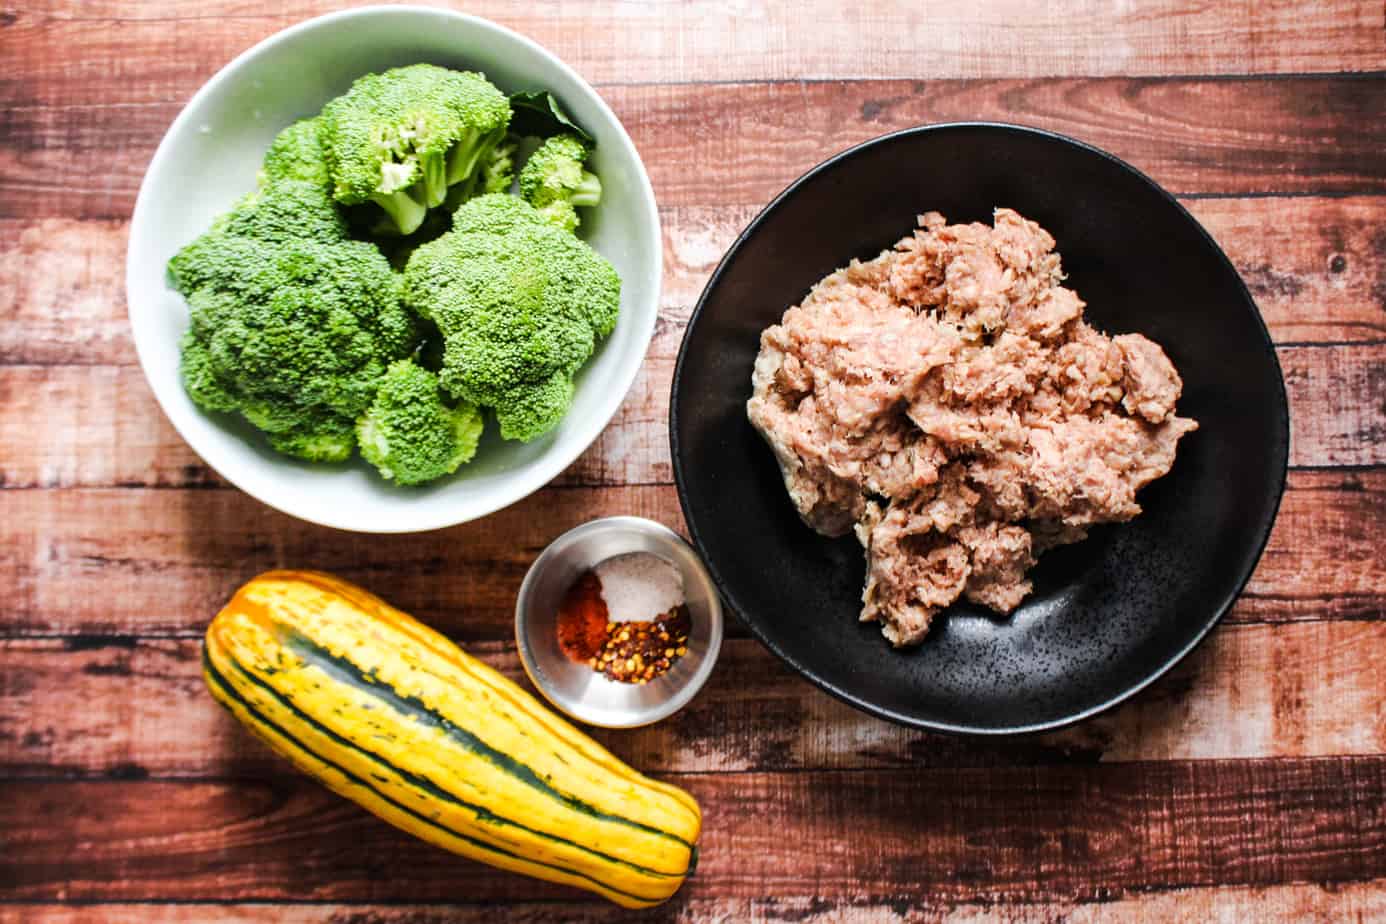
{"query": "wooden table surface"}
(1250, 784)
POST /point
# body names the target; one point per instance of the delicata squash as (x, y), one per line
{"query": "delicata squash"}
(390, 714)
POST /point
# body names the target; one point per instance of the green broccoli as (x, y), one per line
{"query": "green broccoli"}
(285, 210)
(296, 154)
(410, 434)
(326, 437)
(402, 137)
(294, 334)
(498, 214)
(555, 182)
(495, 174)
(520, 304)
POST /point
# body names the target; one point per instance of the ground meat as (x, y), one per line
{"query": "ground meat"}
(1000, 556)
(1151, 384)
(912, 570)
(829, 391)
(948, 402)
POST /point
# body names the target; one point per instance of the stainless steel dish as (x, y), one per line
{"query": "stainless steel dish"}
(575, 688)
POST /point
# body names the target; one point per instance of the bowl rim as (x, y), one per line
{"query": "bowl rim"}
(716, 619)
(550, 464)
(962, 728)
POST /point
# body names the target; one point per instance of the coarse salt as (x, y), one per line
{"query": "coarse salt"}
(639, 587)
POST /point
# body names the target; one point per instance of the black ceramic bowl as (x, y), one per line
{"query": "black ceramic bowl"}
(1108, 615)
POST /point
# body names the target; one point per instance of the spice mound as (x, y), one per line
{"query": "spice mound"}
(626, 618)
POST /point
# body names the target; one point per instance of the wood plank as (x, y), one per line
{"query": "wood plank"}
(1337, 404)
(99, 426)
(1235, 136)
(1249, 785)
(179, 552)
(1067, 833)
(1323, 560)
(62, 292)
(1281, 904)
(130, 709)
(162, 561)
(184, 42)
(1305, 259)
(1316, 266)
(68, 426)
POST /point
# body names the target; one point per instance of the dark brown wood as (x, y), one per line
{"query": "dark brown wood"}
(1069, 832)
(1334, 396)
(141, 561)
(699, 39)
(1326, 546)
(1291, 904)
(1249, 785)
(136, 708)
(65, 279)
(1314, 266)
(1337, 405)
(1234, 136)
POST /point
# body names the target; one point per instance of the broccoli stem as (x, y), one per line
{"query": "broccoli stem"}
(434, 183)
(589, 191)
(468, 152)
(394, 177)
(463, 157)
(404, 210)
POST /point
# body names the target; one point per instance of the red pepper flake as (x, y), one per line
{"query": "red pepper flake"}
(677, 622)
(582, 619)
(638, 652)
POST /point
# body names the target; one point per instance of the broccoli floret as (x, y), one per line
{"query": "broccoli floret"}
(410, 434)
(520, 304)
(401, 138)
(495, 215)
(292, 202)
(494, 174)
(532, 409)
(397, 248)
(296, 154)
(555, 182)
(285, 210)
(200, 378)
(292, 334)
(498, 172)
(326, 437)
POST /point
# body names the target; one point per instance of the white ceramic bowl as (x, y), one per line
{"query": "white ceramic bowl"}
(209, 158)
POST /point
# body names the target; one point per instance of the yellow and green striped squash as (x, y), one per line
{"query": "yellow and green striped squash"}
(390, 714)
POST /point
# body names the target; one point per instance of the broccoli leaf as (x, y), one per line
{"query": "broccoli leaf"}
(536, 113)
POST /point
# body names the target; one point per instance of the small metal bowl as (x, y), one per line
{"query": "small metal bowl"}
(575, 688)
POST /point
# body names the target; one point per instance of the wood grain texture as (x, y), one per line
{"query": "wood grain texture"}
(1070, 832)
(67, 344)
(673, 41)
(1316, 267)
(1283, 904)
(131, 709)
(1339, 405)
(114, 435)
(1234, 136)
(1248, 785)
(161, 562)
